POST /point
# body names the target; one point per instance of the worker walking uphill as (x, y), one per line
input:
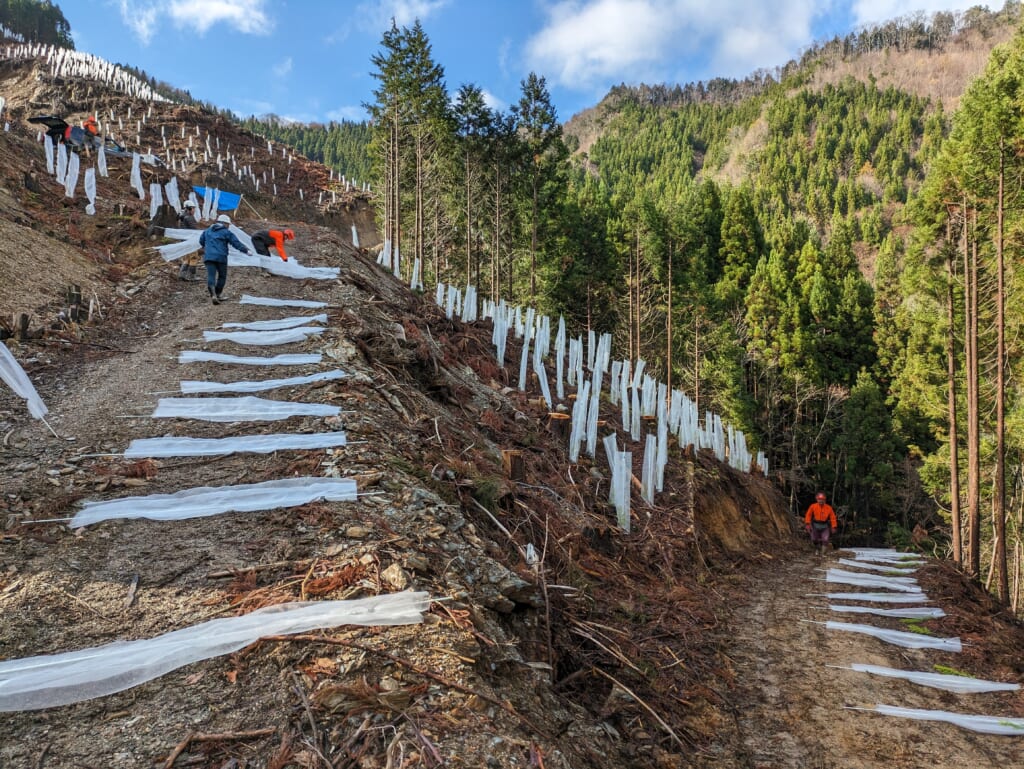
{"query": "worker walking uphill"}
(820, 522)
(187, 221)
(215, 240)
(264, 239)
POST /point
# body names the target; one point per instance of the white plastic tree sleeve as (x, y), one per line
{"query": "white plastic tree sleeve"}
(101, 162)
(190, 387)
(904, 612)
(278, 323)
(879, 597)
(90, 190)
(244, 409)
(899, 584)
(62, 162)
(294, 359)
(60, 679)
(71, 178)
(205, 501)
(949, 683)
(983, 724)
(213, 447)
(156, 198)
(263, 338)
(887, 568)
(136, 176)
(173, 195)
(14, 375)
(268, 301)
(48, 149)
(898, 637)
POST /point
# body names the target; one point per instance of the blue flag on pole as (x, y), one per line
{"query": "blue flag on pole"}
(228, 201)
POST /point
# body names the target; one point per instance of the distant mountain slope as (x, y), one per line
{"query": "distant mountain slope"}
(931, 58)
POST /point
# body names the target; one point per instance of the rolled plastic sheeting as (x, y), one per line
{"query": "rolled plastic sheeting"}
(905, 612)
(204, 501)
(245, 409)
(949, 683)
(251, 386)
(900, 584)
(213, 447)
(899, 637)
(263, 338)
(268, 301)
(887, 568)
(61, 679)
(983, 724)
(879, 597)
(16, 378)
(293, 359)
(279, 323)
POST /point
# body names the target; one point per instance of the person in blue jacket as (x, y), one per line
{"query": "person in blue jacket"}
(215, 241)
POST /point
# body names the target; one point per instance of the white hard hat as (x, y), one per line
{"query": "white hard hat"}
(224, 218)
(189, 204)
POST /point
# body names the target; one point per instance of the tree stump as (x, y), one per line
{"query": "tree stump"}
(559, 424)
(515, 465)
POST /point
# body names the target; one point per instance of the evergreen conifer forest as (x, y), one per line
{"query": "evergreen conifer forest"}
(827, 262)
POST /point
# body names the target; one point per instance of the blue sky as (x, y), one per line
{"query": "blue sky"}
(309, 60)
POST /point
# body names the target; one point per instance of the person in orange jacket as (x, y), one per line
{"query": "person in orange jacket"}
(264, 239)
(820, 522)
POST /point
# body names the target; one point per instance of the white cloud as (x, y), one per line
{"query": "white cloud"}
(248, 16)
(493, 102)
(874, 11)
(376, 15)
(589, 44)
(198, 16)
(139, 19)
(351, 113)
(284, 68)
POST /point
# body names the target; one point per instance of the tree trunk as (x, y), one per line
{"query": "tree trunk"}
(954, 438)
(973, 417)
(999, 503)
(668, 343)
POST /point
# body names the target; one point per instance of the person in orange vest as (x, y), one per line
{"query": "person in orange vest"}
(820, 522)
(264, 239)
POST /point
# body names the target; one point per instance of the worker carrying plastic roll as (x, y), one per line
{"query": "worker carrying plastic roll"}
(820, 522)
(264, 239)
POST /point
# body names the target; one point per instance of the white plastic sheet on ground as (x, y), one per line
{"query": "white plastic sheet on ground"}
(264, 338)
(16, 378)
(879, 597)
(903, 612)
(205, 501)
(900, 584)
(949, 683)
(294, 359)
(983, 724)
(278, 323)
(884, 555)
(887, 568)
(899, 637)
(60, 679)
(244, 409)
(268, 301)
(170, 446)
(190, 386)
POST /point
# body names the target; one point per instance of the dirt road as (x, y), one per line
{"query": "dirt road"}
(793, 714)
